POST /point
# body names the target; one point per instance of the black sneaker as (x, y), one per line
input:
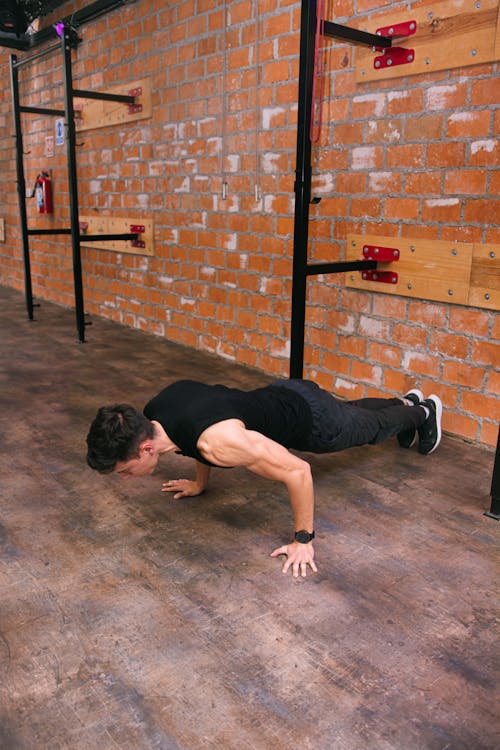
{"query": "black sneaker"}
(429, 434)
(407, 438)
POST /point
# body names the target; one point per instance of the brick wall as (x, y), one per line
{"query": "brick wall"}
(410, 156)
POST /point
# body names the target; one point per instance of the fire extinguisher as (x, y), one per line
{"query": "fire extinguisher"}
(43, 193)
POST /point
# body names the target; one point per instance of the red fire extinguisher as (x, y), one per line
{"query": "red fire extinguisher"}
(43, 193)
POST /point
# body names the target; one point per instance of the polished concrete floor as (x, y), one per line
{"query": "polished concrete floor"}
(132, 621)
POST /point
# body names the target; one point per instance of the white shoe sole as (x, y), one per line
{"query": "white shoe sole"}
(416, 393)
(439, 413)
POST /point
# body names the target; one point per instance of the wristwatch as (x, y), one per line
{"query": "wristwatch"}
(304, 536)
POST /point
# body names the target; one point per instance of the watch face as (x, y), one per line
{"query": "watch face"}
(303, 537)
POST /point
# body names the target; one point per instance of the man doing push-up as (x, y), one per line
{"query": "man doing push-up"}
(227, 427)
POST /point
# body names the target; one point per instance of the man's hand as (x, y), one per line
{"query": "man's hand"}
(182, 488)
(299, 556)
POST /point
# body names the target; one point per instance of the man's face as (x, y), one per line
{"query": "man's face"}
(144, 464)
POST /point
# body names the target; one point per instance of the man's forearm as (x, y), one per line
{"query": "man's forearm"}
(301, 493)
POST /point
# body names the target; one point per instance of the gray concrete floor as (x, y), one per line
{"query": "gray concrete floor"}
(129, 620)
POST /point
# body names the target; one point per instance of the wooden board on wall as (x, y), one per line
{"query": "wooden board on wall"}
(485, 277)
(458, 273)
(96, 113)
(450, 34)
(117, 225)
(427, 269)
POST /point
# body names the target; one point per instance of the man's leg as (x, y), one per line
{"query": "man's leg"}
(339, 424)
(406, 438)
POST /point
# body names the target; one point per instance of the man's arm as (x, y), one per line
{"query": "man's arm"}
(229, 443)
(187, 487)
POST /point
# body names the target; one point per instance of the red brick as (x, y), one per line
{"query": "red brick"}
(398, 382)
(480, 210)
(466, 182)
(409, 335)
(485, 91)
(468, 124)
(366, 372)
(486, 353)
(423, 183)
(427, 313)
(445, 155)
(459, 424)
(468, 320)
(423, 128)
(384, 182)
(385, 354)
(422, 364)
(401, 102)
(441, 210)
(384, 131)
(352, 346)
(351, 182)
(401, 208)
(405, 156)
(449, 345)
(368, 105)
(462, 373)
(446, 96)
(481, 405)
(486, 152)
(489, 434)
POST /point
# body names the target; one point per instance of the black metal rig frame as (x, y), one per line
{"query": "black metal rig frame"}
(67, 42)
(302, 269)
(89, 13)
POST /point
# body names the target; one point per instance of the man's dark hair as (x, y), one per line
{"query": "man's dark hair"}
(115, 435)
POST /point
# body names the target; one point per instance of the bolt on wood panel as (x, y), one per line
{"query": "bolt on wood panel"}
(449, 35)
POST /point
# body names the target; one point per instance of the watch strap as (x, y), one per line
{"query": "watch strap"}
(304, 537)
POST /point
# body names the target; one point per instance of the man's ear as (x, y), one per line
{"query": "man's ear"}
(147, 446)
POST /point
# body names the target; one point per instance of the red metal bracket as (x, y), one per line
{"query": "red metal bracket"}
(137, 229)
(394, 56)
(386, 277)
(407, 28)
(133, 109)
(382, 254)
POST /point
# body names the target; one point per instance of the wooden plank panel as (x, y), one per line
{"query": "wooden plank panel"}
(427, 269)
(485, 277)
(96, 113)
(451, 34)
(119, 225)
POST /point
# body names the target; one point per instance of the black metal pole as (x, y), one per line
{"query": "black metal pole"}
(494, 511)
(72, 182)
(302, 187)
(43, 53)
(21, 186)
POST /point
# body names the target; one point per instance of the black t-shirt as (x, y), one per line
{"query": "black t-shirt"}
(186, 408)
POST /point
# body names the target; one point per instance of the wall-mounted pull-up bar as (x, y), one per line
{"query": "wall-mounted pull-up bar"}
(302, 269)
(66, 45)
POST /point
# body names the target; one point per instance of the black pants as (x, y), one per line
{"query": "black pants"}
(343, 424)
